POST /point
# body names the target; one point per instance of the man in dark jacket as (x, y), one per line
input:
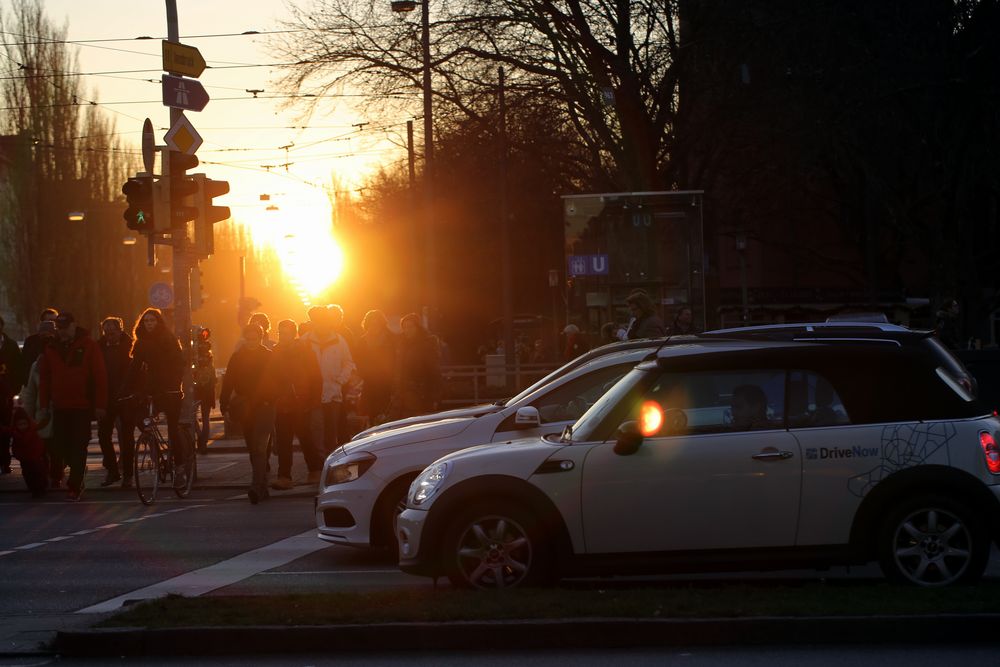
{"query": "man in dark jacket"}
(300, 387)
(74, 385)
(35, 343)
(249, 394)
(12, 377)
(115, 348)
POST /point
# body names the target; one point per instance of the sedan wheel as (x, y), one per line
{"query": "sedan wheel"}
(493, 550)
(933, 542)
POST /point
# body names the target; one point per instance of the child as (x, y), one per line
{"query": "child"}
(29, 450)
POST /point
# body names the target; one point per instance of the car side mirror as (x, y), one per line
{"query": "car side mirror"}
(527, 417)
(629, 438)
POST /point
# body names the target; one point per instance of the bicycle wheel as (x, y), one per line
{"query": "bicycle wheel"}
(146, 468)
(186, 469)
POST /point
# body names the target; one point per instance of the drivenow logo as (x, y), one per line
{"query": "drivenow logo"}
(855, 452)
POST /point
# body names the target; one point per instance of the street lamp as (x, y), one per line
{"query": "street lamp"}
(403, 7)
(128, 240)
(76, 216)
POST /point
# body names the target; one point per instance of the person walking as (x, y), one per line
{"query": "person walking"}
(946, 324)
(29, 450)
(419, 368)
(35, 343)
(156, 370)
(645, 322)
(12, 374)
(204, 384)
(300, 387)
(249, 393)
(73, 382)
(116, 347)
(377, 365)
(31, 401)
(576, 342)
(336, 365)
(683, 323)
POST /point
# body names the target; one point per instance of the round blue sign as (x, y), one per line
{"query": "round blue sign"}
(161, 295)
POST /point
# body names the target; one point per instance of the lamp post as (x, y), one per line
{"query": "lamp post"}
(741, 247)
(402, 7)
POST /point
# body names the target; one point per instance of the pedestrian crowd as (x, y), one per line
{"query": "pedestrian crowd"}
(296, 386)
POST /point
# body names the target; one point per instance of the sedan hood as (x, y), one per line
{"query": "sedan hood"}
(409, 435)
(459, 413)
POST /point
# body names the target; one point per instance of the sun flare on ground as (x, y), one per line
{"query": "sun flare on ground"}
(301, 236)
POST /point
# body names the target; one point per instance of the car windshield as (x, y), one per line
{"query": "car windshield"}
(591, 425)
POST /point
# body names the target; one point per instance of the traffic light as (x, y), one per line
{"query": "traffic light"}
(138, 190)
(197, 295)
(208, 213)
(180, 186)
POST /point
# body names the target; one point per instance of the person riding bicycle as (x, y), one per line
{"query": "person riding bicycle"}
(156, 370)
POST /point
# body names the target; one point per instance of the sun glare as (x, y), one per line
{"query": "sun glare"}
(301, 236)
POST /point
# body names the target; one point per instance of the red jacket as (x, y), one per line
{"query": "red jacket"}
(72, 376)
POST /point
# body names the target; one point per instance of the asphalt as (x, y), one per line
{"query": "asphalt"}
(74, 636)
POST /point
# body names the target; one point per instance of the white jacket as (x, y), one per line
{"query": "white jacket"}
(335, 363)
(29, 399)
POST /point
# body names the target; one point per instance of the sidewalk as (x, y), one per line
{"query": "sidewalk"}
(225, 466)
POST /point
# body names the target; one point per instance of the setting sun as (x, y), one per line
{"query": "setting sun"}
(298, 231)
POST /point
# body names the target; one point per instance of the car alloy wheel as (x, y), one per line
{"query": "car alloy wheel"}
(492, 550)
(933, 542)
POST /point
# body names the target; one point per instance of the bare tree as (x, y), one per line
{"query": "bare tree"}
(607, 66)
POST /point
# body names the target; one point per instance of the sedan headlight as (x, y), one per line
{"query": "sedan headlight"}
(349, 468)
(427, 483)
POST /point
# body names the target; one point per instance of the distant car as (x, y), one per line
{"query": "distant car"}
(363, 485)
(757, 449)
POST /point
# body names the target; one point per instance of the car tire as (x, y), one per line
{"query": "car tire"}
(389, 505)
(933, 541)
(496, 545)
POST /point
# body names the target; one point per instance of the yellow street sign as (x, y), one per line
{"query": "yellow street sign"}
(183, 137)
(182, 59)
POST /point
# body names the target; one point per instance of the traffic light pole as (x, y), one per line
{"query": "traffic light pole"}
(181, 265)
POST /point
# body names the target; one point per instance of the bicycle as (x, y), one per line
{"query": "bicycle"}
(154, 462)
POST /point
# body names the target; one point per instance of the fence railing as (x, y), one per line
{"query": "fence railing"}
(483, 383)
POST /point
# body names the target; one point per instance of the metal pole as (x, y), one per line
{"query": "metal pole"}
(430, 288)
(413, 263)
(181, 265)
(508, 306)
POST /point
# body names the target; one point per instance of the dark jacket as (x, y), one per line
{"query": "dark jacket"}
(117, 358)
(300, 384)
(157, 365)
(647, 326)
(72, 375)
(251, 375)
(33, 346)
(13, 373)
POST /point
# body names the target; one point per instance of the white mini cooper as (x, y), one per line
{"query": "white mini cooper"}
(364, 483)
(800, 446)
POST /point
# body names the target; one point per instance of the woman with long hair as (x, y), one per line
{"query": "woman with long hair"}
(156, 370)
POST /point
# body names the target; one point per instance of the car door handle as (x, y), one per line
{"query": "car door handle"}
(772, 454)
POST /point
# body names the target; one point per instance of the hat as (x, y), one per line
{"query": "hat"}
(571, 329)
(64, 319)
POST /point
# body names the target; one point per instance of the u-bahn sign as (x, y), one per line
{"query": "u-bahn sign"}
(588, 265)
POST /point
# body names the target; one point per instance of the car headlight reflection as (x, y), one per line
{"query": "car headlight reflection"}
(350, 468)
(427, 483)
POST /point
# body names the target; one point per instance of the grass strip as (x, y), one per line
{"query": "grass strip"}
(671, 601)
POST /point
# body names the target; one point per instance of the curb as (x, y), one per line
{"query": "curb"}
(526, 635)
